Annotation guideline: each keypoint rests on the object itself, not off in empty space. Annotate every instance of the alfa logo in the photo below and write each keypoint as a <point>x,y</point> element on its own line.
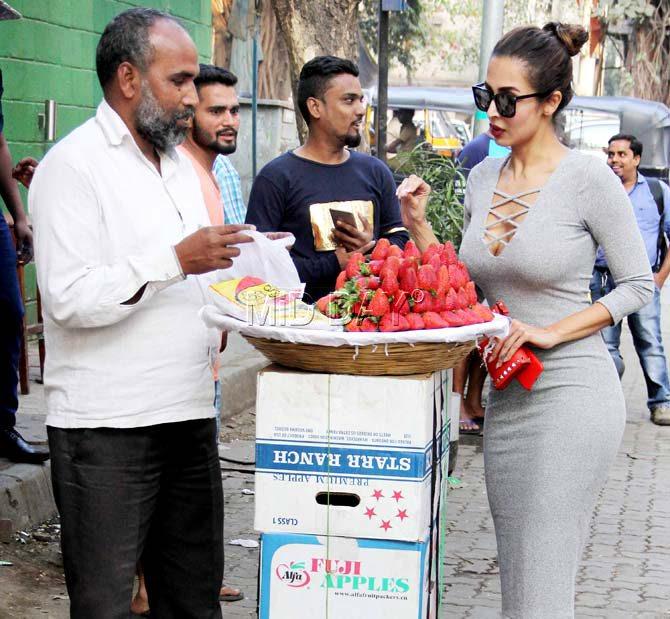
<point>294,574</point>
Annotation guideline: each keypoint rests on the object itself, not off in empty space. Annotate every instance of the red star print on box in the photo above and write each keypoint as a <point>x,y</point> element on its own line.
<point>397,495</point>
<point>386,525</point>
<point>370,512</point>
<point>402,514</point>
<point>377,494</point>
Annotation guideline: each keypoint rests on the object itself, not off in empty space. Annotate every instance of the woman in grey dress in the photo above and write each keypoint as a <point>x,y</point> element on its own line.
<point>533,222</point>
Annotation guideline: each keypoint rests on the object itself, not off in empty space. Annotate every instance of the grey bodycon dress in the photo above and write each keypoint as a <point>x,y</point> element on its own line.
<point>547,452</point>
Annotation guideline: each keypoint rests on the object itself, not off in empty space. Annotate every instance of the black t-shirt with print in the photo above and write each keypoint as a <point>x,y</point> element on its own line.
<point>285,189</point>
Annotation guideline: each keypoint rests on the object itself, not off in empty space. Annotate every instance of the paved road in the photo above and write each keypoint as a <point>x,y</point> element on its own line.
<point>626,567</point>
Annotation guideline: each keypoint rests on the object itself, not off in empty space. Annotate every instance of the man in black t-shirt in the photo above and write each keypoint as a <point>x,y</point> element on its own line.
<point>308,191</point>
<point>12,444</point>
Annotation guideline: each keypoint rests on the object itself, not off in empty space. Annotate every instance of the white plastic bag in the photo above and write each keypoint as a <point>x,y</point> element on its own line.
<point>266,259</point>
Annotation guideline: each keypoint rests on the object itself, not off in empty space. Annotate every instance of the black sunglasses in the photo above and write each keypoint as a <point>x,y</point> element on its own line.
<point>505,101</point>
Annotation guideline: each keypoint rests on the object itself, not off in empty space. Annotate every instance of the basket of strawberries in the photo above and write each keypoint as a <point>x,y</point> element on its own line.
<point>401,312</point>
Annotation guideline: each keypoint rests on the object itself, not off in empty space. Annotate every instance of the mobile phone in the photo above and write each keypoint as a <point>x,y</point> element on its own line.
<point>343,216</point>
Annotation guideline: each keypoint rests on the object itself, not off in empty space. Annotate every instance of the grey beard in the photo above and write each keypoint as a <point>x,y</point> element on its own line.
<point>157,127</point>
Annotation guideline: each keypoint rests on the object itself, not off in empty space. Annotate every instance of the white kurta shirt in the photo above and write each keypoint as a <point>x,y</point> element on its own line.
<point>105,224</point>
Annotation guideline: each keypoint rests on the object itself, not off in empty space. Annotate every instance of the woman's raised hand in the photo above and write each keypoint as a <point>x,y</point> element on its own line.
<point>413,195</point>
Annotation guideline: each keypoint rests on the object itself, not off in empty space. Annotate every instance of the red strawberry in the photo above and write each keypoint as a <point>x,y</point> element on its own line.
<point>422,302</point>
<point>432,320</point>
<point>362,282</point>
<point>390,284</point>
<point>393,262</point>
<point>322,303</point>
<point>395,251</point>
<point>463,314</point>
<point>409,281</point>
<point>373,282</point>
<point>435,262</point>
<point>379,305</point>
<point>431,251</point>
<point>381,249</point>
<point>403,323</point>
<point>471,293</point>
<point>450,253</point>
<point>368,325</point>
<point>466,273</point>
<point>415,321</point>
<point>408,264</point>
<point>354,265</point>
<point>442,279</point>
<point>439,303</point>
<point>484,312</point>
<point>455,276</point>
<point>474,317</point>
<point>451,301</point>
<point>341,280</point>
<point>453,319</point>
<point>375,266</point>
<point>390,323</point>
<point>462,299</point>
<point>400,303</point>
<point>411,250</point>
<point>352,326</point>
<point>427,278</point>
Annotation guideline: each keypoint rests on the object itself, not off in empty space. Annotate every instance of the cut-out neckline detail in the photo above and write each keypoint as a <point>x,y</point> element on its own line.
<point>502,241</point>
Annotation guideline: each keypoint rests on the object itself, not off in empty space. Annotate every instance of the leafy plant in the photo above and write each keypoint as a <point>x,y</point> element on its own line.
<point>621,10</point>
<point>408,30</point>
<point>445,205</point>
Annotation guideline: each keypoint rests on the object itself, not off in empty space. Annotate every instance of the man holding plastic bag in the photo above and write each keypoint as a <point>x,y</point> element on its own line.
<point>121,237</point>
<point>334,200</point>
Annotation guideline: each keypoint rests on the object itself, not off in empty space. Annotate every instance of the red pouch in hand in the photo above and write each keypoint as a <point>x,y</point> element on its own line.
<point>524,365</point>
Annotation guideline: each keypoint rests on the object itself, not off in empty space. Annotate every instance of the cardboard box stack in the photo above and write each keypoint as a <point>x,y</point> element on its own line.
<point>350,479</point>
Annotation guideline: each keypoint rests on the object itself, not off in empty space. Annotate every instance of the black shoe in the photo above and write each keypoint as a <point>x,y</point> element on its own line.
<point>15,448</point>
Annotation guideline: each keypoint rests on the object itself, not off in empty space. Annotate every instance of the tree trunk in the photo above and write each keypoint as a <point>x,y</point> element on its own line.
<point>314,28</point>
<point>648,57</point>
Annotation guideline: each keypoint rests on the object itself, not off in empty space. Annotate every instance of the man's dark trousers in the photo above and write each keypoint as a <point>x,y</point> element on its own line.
<point>11,325</point>
<point>151,493</point>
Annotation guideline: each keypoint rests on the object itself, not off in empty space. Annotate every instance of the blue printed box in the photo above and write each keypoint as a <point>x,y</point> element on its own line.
<point>350,456</point>
<point>305,576</point>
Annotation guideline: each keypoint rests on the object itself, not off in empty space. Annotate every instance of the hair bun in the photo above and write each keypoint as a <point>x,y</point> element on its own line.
<point>571,35</point>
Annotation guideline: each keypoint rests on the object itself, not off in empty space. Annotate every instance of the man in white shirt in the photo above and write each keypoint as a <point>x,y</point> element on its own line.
<point>121,235</point>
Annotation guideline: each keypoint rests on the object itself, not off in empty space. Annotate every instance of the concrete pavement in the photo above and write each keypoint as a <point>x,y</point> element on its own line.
<point>626,567</point>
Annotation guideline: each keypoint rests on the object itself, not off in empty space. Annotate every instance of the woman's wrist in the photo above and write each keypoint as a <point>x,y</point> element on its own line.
<point>557,334</point>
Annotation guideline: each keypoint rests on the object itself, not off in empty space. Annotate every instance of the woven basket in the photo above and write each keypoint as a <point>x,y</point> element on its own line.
<point>379,360</point>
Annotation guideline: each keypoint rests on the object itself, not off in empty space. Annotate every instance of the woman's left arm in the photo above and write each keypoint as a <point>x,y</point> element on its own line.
<point>608,215</point>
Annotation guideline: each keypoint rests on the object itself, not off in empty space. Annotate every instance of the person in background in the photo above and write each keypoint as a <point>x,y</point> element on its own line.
<point>408,137</point>
<point>649,198</point>
<point>123,247</point>
<point>12,445</point>
<point>291,191</point>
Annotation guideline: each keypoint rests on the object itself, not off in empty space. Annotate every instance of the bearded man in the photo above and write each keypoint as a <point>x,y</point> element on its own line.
<point>213,136</point>
<point>309,191</point>
<point>123,244</point>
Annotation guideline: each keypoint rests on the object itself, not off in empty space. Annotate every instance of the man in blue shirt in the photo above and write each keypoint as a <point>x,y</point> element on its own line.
<point>12,444</point>
<point>623,156</point>
<point>300,191</point>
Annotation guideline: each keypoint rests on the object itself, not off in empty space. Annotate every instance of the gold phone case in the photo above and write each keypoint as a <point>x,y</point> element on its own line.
<point>322,222</point>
